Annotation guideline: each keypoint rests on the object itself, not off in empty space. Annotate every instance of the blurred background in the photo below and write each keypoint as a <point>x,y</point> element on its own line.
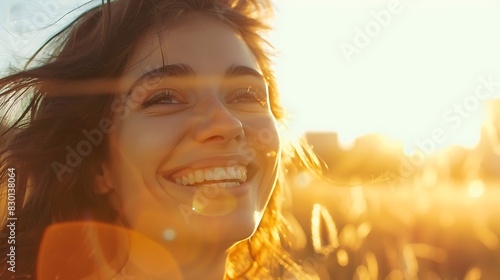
<point>393,97</point>
<point>400,100</point>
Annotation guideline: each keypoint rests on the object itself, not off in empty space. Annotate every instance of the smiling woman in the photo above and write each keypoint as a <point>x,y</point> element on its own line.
<point>150,146</point>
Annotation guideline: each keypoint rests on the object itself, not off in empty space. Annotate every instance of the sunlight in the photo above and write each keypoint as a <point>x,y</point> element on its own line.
<point>476,188</point>
<point>401,81</point>
<point>355,67</point>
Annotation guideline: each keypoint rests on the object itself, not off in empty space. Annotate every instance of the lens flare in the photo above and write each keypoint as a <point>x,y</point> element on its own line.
<point>91,250</point>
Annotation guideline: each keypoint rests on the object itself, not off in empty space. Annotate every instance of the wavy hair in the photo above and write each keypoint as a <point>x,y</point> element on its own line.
<point>46,116</point>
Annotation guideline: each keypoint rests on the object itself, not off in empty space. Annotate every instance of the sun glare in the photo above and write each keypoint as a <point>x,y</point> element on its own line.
<point>362,67</point>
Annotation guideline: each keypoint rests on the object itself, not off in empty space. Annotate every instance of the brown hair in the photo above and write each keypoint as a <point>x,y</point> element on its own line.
<point>50,115</point>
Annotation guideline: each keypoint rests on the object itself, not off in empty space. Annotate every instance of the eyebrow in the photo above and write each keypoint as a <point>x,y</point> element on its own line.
<point>184,70</point>
<point>240,70</point>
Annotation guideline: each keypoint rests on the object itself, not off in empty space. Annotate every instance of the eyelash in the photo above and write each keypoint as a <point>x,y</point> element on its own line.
<point>244,95</point>
<point>159,96</point>
<point>249,92</point>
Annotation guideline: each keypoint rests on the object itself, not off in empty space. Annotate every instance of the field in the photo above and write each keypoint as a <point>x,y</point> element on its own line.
<point>442,221</point>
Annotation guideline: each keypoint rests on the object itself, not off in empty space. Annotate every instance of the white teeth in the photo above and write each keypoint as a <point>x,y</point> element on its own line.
<point>231,184</point>
<point>233,173</point>
<point>198,174</point>
<point>209,175</point>
<point>191,178</point>
<point>222,185</point>
<point>220,173</point>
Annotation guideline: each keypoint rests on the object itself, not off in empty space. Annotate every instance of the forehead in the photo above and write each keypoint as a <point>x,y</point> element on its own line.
<point>206,44</point>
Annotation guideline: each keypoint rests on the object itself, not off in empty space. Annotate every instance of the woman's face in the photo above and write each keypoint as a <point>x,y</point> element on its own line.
<point>195,149</point>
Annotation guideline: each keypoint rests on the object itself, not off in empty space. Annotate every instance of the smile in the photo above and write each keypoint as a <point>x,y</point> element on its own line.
<point>225,177</point>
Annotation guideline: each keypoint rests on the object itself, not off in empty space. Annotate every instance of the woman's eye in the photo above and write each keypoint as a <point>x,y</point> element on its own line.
<point>165,96</point>
<point>248,95</point>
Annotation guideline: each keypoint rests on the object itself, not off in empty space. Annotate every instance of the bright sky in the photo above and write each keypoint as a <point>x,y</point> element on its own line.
<point>403,68</point>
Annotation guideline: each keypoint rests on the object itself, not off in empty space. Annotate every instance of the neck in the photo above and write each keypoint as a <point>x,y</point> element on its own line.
<point>187,261</point>
<point>209,266</point>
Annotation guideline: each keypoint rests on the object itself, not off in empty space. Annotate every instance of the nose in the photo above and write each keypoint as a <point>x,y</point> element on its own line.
<point>217,124</point>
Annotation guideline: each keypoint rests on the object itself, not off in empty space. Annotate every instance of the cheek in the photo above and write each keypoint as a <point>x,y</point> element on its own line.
<point>148,142</point>
<point>264,136</point>
<point>137,149</point>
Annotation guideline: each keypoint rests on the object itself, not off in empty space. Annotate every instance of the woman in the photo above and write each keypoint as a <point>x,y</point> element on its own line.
<point>150,124</point>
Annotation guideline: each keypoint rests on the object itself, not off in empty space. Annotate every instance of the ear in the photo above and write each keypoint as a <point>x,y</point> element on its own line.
<point>102,180</point>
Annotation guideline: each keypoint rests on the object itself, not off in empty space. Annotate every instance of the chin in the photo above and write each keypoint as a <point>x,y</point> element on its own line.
<point>229,228</point>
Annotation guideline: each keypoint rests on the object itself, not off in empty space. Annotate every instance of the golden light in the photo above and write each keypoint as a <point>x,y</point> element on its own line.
<point>401,80</point>
<point>476,188</point>
<point>342,257</point>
